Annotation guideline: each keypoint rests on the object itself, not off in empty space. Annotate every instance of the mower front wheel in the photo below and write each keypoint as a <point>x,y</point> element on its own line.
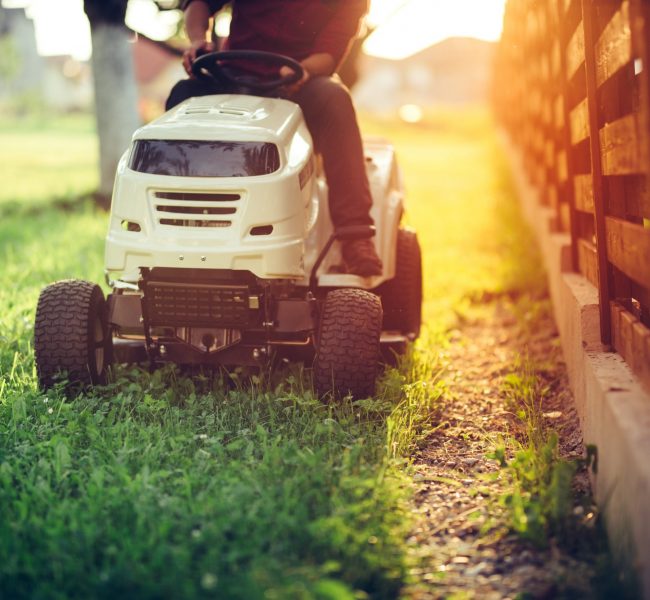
<point>347,357</point>
<point>72,340</point>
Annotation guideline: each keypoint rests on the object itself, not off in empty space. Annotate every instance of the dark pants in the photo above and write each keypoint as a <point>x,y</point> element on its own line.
<point>331,119</point>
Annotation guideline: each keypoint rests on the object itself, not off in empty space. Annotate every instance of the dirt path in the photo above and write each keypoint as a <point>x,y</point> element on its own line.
<point>464,548</point>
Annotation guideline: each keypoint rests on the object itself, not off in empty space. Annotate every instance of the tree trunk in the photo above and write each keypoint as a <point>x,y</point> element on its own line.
<point>116,98</point>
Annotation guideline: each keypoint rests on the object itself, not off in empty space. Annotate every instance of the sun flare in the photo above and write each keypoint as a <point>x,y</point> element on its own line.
<point>403,27</point>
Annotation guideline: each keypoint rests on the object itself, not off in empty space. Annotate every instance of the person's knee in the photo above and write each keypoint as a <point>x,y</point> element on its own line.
<point>335,95</point>
<point>184,89</point>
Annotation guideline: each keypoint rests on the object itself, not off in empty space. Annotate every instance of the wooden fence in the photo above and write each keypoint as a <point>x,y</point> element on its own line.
<point>572,88</point>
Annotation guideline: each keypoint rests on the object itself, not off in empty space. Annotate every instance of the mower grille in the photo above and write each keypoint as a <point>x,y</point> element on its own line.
<point>195,209</point>
<point>181,304</point>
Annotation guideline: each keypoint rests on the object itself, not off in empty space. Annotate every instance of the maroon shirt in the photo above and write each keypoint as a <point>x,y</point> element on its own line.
<point>295,28</point>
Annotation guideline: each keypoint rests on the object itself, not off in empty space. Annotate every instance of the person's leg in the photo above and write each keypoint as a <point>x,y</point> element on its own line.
<point>332,121</point>
<point>187,88</point>
<point>331,118</point>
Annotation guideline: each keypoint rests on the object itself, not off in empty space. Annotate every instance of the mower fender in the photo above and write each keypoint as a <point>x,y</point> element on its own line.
<point>125,313</point>
<point>295,315</point>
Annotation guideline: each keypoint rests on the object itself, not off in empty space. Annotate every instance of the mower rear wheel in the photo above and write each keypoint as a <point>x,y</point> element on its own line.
<point>72,341</point>
<point>347,357</point>
<point>401,296</point>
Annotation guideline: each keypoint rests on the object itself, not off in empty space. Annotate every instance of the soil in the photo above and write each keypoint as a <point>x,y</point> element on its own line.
<point>462,544</point>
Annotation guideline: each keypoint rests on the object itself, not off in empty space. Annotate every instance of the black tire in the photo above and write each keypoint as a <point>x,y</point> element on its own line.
<point>401,296</point>
<point>347,357</point>
<point>72,341</point>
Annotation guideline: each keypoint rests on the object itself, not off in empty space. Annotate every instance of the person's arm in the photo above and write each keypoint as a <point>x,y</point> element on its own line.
<point>335,37</point>
<point>198,25</point>
<point>320,63</point>
<point>313,66</point>
<point>332,42</point>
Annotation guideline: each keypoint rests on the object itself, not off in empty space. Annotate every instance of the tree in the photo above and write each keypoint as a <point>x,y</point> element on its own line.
<point>116,97</point>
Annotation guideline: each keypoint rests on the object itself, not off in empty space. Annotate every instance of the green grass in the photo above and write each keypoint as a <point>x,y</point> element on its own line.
<point>186,487</point>
<point>44,159</point>
<point>461,199</point>
<point>541,504</point>
<point>162,485</point>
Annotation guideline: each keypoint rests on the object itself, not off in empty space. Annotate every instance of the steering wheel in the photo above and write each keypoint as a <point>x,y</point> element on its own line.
<point>211,66</point>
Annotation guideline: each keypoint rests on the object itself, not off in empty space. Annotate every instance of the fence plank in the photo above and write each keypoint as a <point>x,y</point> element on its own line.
<point>565,158</point>
<point>632,341</point>
<point>620,148</point>
<point>549,153</point>
<point>575,52</point>
<point>562,168</point>
<point>589,16</point>
<point>628,248</point>
<point>614,47</point>
<point>584,193</point>
<point>579,118</point>
<point>588,261</point>
<point>558,111</point>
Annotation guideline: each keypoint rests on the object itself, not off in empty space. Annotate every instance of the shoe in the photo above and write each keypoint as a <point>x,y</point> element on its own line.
<point>361,258</point>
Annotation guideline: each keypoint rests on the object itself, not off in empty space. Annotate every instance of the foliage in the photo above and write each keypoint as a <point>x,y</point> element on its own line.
<point>9,59</point>
<point>541,502</point>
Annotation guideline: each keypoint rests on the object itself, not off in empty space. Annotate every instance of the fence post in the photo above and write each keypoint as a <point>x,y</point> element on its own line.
<point>604,276</point>
<point>564,34</point>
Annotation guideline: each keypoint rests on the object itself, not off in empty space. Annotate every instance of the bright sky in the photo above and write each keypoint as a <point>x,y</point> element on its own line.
<point>403,26</point>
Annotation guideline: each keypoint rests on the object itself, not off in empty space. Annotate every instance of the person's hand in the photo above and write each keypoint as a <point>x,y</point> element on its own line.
<point>196,49</point>
<point>294,87</point>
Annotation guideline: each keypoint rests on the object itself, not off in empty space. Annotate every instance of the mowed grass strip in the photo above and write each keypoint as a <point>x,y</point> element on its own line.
<point>161,485</point>
<point>166,486</point>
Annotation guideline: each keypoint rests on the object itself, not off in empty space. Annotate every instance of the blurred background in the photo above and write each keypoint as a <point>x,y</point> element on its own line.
<point>413,52</point>
<point>105,67</point>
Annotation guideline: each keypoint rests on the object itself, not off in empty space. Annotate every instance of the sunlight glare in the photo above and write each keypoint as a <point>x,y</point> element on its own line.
<point>404,27</point>
<point>410,113</point>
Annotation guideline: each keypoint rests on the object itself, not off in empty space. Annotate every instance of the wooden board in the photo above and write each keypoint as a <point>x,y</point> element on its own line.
<point>588,261</point>
<point>584,193</point>
<point>562,168</point>
<point>558,111</point>
<point>614,47</point>
<point>549,153</point>
<point>556,60</point>
<point>544,69</point>
<point>575,52</point>
<point>579,122</point>
<point>628,248</point>
<point>547,112</point>
<point>564,217</point>
<point>631,339</point>
<point>619,147</point>
<point>566,5</point>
